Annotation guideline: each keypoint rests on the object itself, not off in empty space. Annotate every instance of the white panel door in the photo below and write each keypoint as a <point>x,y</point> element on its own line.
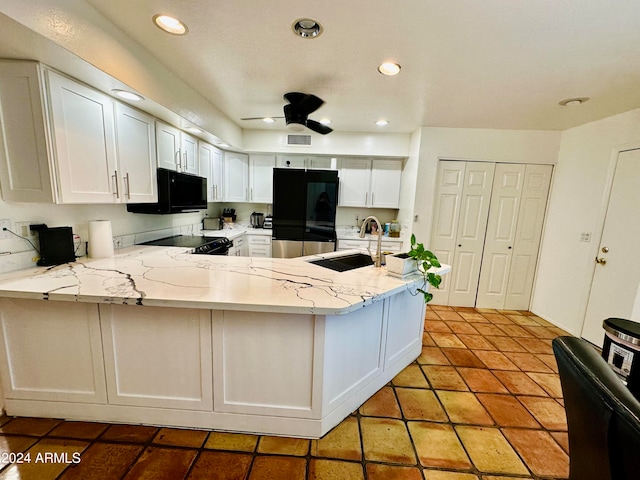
<point>615,289</point>
<point>205,155</point>
<point>533,205</point>
<point>449,186</point>
<point>84,142</point>
<point>500,236</point>
<point>472,225</point>
<point>136,148</point>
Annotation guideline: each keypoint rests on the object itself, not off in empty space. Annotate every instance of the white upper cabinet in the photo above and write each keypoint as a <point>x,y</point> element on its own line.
<point>25,172</point>
<point>211,168</point>
<point>83,141</point>
<point>370,183</point>
<point>176,149</point>
<point>248,179</point>
<point>69,153</point>
<point>386,177</point>
<point>236,177</point>
<point>136,152</point>
<point>261,178</point>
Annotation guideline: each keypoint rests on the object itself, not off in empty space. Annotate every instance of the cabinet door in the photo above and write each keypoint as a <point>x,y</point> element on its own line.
<point>189,154</point>
<point>211,169</point>
<point>322,163</point>
<point>157,356</point>
<point>236,177</point>
<point>537,179</point>
<point>168,143</point>
<point>25,170</point>
<point>501,233</point>
<point>136,148</point>
<point>84,142</point>
<point>51,351</point>
<point>385,183</point>
<point>355,179</point>
<point>261,178</point>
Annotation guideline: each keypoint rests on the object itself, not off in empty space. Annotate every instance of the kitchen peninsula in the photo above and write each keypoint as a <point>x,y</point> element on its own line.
<point>156,335</point>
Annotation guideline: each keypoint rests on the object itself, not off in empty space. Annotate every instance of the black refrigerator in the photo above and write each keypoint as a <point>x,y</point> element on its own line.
<point>304,212</point>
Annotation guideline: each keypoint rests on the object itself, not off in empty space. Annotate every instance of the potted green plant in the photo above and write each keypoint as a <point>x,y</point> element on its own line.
<point>418,259</point>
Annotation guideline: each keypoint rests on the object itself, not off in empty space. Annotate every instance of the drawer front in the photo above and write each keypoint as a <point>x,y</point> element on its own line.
<point>259,240</point>
<point>347,244</point>
<point>394,247</point>
<point>260,251</point>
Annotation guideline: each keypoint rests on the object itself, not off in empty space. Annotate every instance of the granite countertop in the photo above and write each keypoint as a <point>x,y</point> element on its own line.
<point>172,277</point>
<point>234,230</point>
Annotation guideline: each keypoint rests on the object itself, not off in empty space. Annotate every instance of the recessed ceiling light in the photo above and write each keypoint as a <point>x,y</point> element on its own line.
<point>170,24</point>
<point>194,130</point>
<point>382,123</point>
<point>268,120</point>
<point>128,95</point>
<point>570,102</point>
<point>306,28</point>
<point>389,68</point>
<point>325,121</point>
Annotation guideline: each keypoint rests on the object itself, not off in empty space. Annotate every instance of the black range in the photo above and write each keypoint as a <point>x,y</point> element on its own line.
<point>201,245</point>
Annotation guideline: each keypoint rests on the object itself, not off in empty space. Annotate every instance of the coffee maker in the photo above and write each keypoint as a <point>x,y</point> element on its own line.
<point>56,245</point>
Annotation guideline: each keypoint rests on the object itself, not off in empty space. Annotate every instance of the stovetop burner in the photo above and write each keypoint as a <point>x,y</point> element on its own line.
<point>200,244</point>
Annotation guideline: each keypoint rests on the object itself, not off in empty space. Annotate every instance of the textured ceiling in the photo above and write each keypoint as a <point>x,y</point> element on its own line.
<point>465,63</point>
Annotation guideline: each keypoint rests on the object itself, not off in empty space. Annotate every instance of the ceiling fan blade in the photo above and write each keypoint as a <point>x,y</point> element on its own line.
<point>318,127</point>
<point>303,103</point>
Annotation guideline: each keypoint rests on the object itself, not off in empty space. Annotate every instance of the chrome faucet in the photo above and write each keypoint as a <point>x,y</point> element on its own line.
<point>365,222</point>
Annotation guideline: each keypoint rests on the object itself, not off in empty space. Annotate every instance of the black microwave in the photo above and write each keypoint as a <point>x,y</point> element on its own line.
<point>177,192</point>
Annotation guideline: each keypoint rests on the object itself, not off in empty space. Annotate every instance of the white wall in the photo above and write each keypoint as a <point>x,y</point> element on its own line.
<point>515,146</point>
<point>337,143</point>
<point>578,202</point>
<point>77,217</point>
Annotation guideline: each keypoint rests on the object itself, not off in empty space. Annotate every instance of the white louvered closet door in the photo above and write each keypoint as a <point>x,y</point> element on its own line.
<point>462,206</point>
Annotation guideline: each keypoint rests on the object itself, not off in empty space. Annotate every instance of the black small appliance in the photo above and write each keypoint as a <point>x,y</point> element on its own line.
<point>56,245</point>
<point>177,192</point>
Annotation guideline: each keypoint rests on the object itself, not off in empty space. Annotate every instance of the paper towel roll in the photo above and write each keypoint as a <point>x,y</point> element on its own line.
<point>100,239</point>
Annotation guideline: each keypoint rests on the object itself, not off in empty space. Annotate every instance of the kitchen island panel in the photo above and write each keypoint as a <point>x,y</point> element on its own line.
<point>404,327</point>
<point>157,357</point>
<point>353,353</point>
<point>267,363</point>
<point>51,354</point>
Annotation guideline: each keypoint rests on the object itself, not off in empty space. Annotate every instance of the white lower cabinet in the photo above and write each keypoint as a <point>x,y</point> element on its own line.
<point>68,366</point>
<point>386,245</point>
<point>157,357</point>
<point>259,245</point>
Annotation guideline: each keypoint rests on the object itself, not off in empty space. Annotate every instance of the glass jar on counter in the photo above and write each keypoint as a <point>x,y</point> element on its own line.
<point>394,228</point>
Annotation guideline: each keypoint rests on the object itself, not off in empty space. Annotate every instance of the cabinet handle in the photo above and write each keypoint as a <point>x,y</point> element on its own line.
<point>366,198</point>
<point>128,183</point>
<point>115,182</point>
<point>178,162</point>
<point>251,194</point>
<point>246,194</point>
<point>373,202</point>
<point>185,161</point>
<point>215,192</point>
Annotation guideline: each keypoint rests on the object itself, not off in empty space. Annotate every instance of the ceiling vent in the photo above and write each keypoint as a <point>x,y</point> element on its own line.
<point>299,140</point>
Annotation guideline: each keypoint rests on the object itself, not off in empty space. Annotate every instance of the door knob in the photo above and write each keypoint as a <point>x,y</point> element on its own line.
<point>601,261</point>
<point>605,249</point>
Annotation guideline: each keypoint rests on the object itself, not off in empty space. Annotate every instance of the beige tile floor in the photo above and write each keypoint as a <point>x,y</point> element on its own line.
<point>483,401</point>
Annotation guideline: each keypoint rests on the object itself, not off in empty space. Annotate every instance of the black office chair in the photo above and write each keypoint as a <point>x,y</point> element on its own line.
<point>603,417</point>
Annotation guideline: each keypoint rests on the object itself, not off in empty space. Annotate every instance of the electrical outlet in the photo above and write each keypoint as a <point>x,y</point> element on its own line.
<point>5,224</point>
<point>118,242</point>
<point>22,229</point>
<point>585,237</point>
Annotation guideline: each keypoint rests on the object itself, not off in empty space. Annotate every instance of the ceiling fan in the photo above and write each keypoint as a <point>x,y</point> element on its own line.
<point>297,111</point>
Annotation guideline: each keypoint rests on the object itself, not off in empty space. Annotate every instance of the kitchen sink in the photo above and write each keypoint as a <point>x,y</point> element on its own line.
<point>345,262</point>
